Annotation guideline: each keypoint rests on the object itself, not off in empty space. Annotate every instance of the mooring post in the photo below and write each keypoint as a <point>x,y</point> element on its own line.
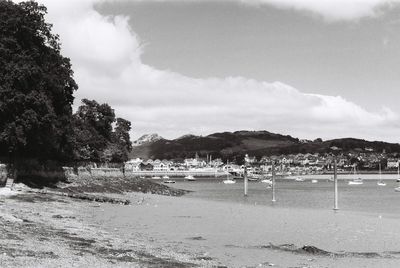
<point>273,182</point>
<point>245,179</point>
<point>335,182</point>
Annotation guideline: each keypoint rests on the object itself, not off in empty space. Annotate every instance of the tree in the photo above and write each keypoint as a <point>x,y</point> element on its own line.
<point>94,137</point>
<point>93,130</point>
<point>122,140</point>
<point>36,87</point>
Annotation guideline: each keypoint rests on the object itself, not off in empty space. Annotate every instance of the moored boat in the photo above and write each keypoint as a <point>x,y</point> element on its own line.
<point>357,181</point>
<point>380,182</point>
<point>156,178</point>
<point>169,181</point>
<point>314,181</point>
<point>165,177</point>
<point>298,179</point>
<point>190,178</point>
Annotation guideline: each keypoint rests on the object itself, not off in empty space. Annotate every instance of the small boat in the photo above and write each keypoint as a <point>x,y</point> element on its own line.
<point>380,182</point>
<point>165,177</point>
<point>229,180</point>
<point>298,179</point>
<point>358,181</point>
<point>314,181</point>
<point>397,189</point>
<point>156,178</point>
<point>169,181</point>
<point>190,178</point>
<point>250,178</point>
<point>268,181</point>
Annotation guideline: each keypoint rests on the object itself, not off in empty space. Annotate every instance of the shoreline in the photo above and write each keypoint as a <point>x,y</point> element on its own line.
<point>169,231</point>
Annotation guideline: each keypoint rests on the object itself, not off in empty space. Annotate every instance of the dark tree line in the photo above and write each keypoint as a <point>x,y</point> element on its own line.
<point>38,129</point>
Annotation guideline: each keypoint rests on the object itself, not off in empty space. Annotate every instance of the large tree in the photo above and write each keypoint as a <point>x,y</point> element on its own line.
<point>36,86</point>
<point>95,139</point>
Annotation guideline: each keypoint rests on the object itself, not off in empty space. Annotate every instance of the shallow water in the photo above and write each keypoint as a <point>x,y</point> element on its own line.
<point>366,198</point>
<point>216,221</point>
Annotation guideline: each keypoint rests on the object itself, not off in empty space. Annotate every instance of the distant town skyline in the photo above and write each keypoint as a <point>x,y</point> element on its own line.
<point>308,69</point>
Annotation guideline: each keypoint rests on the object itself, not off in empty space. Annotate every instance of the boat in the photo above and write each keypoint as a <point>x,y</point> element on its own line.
<point>251,177</point>
<point>229,180</point>
<point>169,181</point>
<point>190,178</point>
<point>298,179</point>
<point>156,178</point>
<point>380,182</point>
<point>268,181</point>
<point>165,177</point>
<point>397,189</point>
<point>314,181</point>
<point>356,181</point>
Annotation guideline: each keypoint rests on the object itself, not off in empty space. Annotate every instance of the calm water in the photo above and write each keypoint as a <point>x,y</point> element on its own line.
<point>368,197</point>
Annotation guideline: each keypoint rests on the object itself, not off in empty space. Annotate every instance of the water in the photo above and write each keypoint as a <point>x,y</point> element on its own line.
<point>365,198</point>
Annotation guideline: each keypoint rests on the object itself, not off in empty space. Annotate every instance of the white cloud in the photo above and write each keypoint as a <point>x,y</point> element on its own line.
<point>331,10</point>
<point>105,54</point>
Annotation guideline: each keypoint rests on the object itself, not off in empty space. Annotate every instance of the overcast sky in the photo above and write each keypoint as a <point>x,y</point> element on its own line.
<point>307,68</point>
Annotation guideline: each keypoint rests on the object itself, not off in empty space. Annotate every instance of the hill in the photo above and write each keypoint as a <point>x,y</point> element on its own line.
<point>234,145</point>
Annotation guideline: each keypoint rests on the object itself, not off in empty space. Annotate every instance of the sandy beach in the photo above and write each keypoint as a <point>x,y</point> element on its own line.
<point>162,231</point>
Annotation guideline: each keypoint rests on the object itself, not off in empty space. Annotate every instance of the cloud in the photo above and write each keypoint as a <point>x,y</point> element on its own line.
<point>330,10</point>
<point>105,54</point>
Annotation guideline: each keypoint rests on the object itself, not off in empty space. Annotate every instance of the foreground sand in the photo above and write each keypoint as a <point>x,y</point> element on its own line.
<point>161,231</point>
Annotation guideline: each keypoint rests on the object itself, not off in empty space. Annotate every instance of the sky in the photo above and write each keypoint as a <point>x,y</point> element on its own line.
<point>306,68</point>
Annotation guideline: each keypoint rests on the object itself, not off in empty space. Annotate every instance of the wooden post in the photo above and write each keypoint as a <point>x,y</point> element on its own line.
<point>335,182</point>
<point>245,179</point>
<point>273,182</point>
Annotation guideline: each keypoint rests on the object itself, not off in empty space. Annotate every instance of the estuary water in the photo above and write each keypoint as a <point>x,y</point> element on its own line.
<point>366,198</point>
<point>216,222</point>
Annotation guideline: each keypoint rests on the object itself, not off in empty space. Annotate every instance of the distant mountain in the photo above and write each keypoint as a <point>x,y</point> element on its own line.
<point>234,145</point>
<point>147,138</point>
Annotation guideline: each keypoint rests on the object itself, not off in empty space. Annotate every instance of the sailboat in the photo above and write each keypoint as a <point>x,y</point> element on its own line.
<point>380,182</point>
<point>228,180</point>
<point>356,181</point>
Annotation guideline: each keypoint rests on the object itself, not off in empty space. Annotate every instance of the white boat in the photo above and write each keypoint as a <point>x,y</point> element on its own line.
<point>397,189</point>
<point>380,182</point>
<point>156,178</point>
<point>169,181</point>
<point>229,181</point>
<point>314,181</point>
<point>190,178</point>
<point>165,177</point>
<point>268,181</point>
<point>356,181</point>
<point>298,179</point>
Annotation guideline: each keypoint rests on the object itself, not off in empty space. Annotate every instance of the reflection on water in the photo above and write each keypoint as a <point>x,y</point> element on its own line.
<point>368,197</point>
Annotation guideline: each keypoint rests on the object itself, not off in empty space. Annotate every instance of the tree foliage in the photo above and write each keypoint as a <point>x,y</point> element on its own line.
<point>95,138</point>
<point>36,86</point>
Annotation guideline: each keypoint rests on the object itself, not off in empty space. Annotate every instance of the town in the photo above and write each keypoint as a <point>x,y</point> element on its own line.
<point>292,164</point>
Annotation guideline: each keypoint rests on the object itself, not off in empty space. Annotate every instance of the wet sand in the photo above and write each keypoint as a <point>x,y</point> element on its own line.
<point>161,231</point>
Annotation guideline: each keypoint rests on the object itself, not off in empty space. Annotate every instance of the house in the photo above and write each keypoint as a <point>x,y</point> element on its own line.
<point>392,163</point>
<point>133,164</point>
